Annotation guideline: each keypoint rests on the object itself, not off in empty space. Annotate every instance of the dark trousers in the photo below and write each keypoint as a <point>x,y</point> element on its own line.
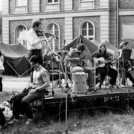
<point>36,52</point>
<point>107,71</point>
<point>2,118</point>
<point>21,104</point>
<point>90,79</point>
<point>1,85</point>
<point>127,74</point>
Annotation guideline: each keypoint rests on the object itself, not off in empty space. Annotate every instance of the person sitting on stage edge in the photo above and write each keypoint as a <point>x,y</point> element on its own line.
<point>86,64</point>
<point>37,89</point>
<point>126,66</point>
<point>103,67</point>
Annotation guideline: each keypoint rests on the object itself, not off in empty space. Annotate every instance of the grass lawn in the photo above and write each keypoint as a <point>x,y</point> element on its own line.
<point>100,123</point>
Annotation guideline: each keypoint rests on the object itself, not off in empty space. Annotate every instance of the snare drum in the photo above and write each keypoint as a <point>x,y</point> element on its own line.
<point>79,82</point>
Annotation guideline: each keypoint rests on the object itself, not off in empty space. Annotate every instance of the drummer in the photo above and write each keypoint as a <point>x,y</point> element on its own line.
<point>86,65</point>
<point>78,61</point>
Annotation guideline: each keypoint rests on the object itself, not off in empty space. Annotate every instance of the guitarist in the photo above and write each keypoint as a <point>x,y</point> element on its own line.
<point>105,70</point>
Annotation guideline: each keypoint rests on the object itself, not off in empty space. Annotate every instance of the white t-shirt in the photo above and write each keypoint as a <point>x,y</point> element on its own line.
<point>1,63</point>
<point>41,76</point>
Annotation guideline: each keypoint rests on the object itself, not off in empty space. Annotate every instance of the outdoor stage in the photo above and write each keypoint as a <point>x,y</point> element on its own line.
<point>118,99</point>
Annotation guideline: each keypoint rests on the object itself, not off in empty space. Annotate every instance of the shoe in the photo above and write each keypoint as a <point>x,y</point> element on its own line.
<point>14,121</point>
<point>29,121</point>
<point>98,86</point>
<point>122,85</point>
<point>21,116</point>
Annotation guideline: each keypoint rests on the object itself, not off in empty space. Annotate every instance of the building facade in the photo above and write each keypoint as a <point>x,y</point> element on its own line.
<point>111,20</point>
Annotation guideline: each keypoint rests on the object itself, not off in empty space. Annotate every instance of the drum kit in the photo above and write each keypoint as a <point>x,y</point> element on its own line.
<point>58,71</point>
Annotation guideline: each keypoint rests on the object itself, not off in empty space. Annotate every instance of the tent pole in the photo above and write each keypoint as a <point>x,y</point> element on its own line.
<point>25,72</point>
<point>12,68</point>
<point>117,37</point>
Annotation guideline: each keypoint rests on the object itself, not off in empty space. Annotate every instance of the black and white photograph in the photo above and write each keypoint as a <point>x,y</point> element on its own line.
<point>66,66</point>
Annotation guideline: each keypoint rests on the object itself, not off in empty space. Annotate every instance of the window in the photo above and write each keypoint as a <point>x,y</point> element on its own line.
<point>20,6</point>
<point>21,3</point>
<point>18,31</point>
<point>86,0</point>
<point>54,29</point>
<point>88,30</point>
<point>86,4</point>
<point>52,1</point>
<point>52,5</point>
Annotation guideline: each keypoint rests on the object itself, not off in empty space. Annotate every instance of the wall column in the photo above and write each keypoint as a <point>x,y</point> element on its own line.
<point>68,29</point>
<point>5,7</point>
<point>35,6</point>
<point>68,4</point>
<point>5,31</point>
<point>104,27</point>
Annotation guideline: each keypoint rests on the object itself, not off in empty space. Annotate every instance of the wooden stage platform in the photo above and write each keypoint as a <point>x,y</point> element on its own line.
<point>100,93</point>
<point>119,98</point>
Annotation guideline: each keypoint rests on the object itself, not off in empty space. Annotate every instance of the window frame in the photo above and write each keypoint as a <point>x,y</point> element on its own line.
<point>21,5</point>
<point>16,32</point>
<point>87,30</point>
<point>49,3</point>
<point>53,32</point>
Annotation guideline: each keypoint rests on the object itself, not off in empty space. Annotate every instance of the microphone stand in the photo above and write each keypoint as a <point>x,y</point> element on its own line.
<point>47,42</point>
<point>66,91</point>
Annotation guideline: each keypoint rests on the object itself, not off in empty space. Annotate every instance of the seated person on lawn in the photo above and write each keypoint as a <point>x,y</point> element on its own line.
<point>38,88</point>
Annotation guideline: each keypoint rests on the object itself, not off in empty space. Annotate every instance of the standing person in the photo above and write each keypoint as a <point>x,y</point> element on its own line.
<point>1,70</point>
<point>103,66</point>
<point>37,89</point>
<point>126,66</point>
<point>34,43</point>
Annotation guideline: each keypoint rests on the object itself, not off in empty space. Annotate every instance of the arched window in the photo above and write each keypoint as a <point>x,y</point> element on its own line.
<point>88,30</point>
<point>54,29</point>
<point>18,30</point>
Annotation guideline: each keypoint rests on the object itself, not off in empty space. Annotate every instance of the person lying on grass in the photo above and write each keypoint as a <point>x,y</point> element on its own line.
<point>37,89</point>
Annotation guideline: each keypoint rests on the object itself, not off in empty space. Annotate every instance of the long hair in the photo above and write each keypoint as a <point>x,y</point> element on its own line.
<point>104,47</point>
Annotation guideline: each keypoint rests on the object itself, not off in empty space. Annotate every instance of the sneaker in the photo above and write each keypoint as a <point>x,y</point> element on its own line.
<point>98,86</point>
<point>121,85</point>
<point>14,121</point>
<point>29,121</point>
